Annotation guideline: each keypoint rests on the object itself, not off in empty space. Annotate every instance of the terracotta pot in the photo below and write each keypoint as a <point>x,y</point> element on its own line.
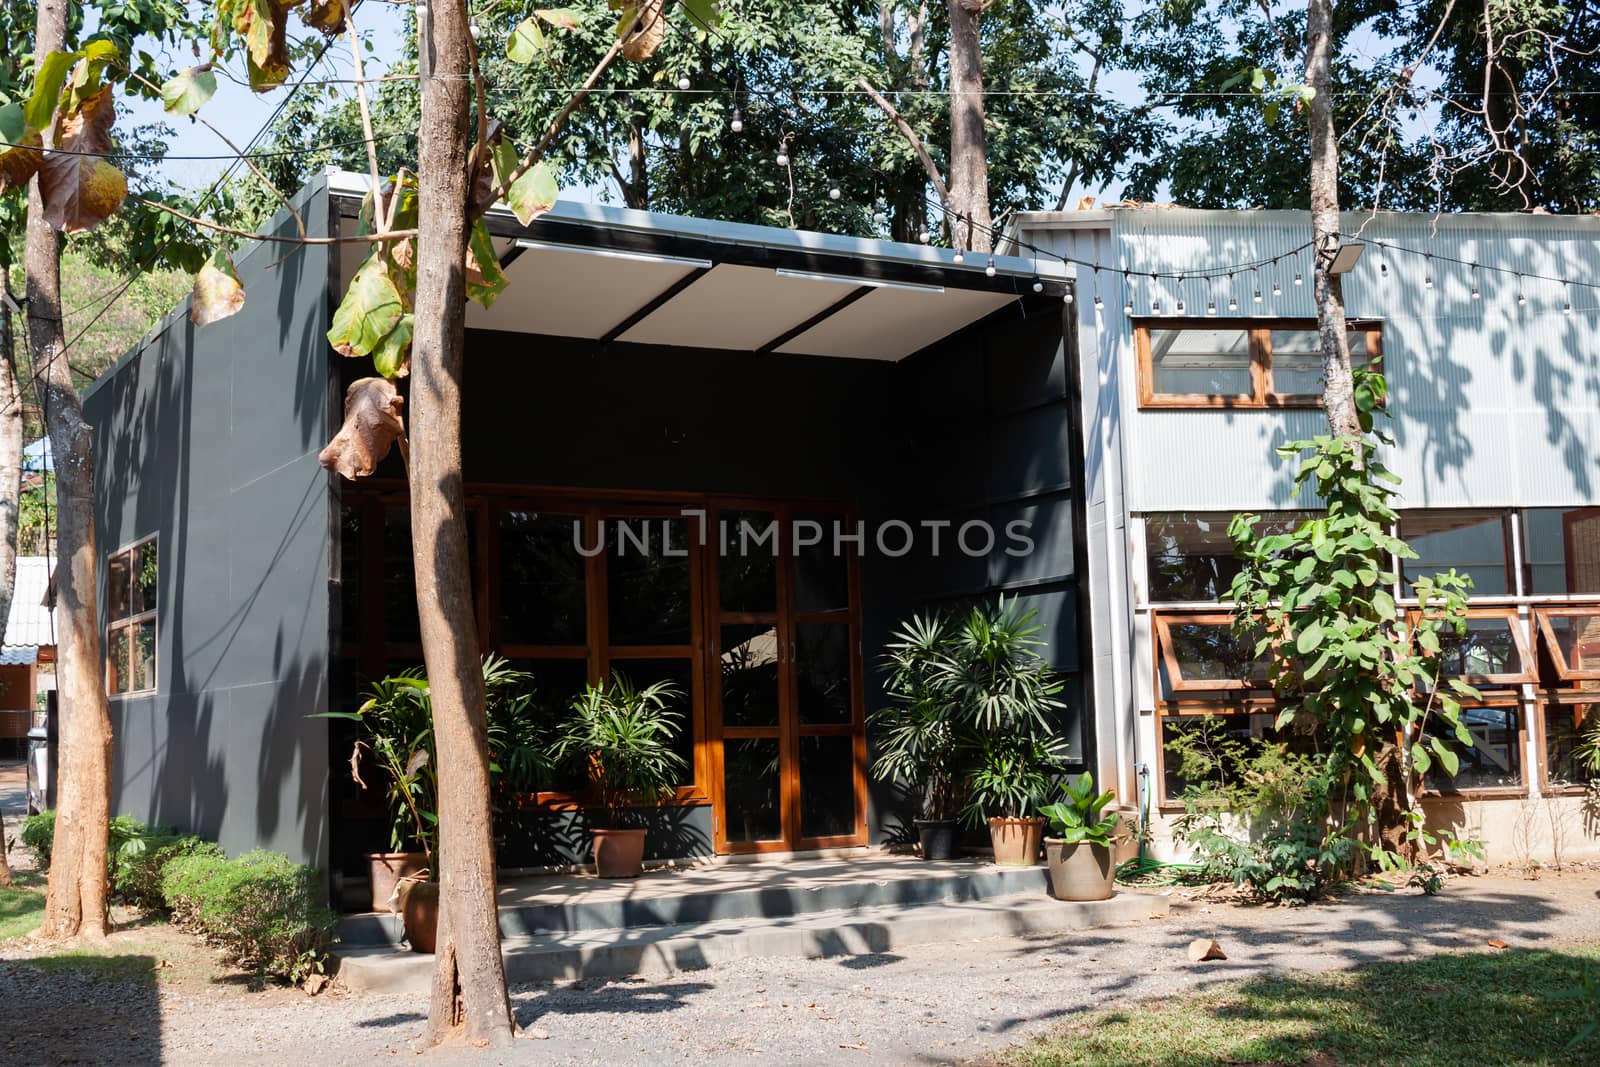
<point>939,838</point>
<point>1016,841</point>
<point>1079,871</point>
<point>387,868</point>
<point>419,907</point>
<point>618,853</point>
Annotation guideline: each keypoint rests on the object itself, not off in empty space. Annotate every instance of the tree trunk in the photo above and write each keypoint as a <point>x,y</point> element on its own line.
<point>10,497</point>
<point>469,985</point>
<point>1338,395</point>
<point>76,902</point>
<point>969,150</point>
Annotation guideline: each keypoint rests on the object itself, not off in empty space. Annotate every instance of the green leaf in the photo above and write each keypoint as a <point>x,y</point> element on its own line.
<point>534,193</point>
<point>185,92</point>
<point>1420,759</point>
<point>562,18</point>
<point>13,123</point>
<point>485,279</point>
<point>526,42</point>
<point>369,311</point>
<point>1308,639</point>
<point>41,106</point>
<point>702,13</point>
<point>392,357</point>
<point>1452,763</point>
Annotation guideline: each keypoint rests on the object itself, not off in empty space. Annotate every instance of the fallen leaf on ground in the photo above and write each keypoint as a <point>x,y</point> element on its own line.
<point>1203,949</point>
<point>1495,942</point>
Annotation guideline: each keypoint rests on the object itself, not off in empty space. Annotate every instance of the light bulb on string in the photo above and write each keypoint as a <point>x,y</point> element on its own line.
<point>989,268</point>
<point>923,236</point>
<point>472,28</point>
<point>1566,298</point>
<point>1127,290</point>
<point>1522,299</point>
<point>1211,307</point>
<point>1383,270</point>
<point>1475,294</point>
<point>834,192</point>
<point>736,124</point>
<point>1067,297</point>
<point>960,257</point>
<point>1179,306</point>
<point>1155,306</point>
<point>1298,280</point>
<point>684,82</point>
<point>1038,284</point>
<point>879,214</point>
<point>1233,301</point>
<point>783,156</point>
<point>1258,296</point>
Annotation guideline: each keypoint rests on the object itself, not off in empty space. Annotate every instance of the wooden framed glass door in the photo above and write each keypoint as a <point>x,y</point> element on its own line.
<point>787,736</point>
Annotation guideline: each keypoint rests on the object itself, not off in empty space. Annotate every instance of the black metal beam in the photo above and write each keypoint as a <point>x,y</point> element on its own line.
<point>828,312</point>
<point>653,303</point>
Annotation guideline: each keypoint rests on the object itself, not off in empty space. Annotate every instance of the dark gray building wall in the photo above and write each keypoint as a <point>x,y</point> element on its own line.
<point>207,437</point>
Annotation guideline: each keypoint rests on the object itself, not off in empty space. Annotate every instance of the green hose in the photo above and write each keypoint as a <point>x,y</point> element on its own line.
<point>1143,870</point>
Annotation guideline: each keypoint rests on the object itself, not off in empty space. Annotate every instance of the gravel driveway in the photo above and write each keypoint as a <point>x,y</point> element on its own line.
<point>935,1004</point>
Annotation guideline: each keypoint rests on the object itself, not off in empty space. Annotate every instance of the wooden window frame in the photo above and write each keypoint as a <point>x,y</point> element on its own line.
<point>1259,334</point>
<point>1530,666</point>
<point>1514,702</point>
<point>124,627</point>
<point>1542,617</point>
<point>1544,703</point>
<point>1508,566</point>
<point>1161,624</point>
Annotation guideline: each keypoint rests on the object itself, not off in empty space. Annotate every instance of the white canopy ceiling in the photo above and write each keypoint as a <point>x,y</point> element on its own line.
<point>614,275</point>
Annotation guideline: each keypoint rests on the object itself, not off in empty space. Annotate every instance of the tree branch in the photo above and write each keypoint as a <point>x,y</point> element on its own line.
<point>378,219</point>
<point>361,239</point>
<point>911,138</point>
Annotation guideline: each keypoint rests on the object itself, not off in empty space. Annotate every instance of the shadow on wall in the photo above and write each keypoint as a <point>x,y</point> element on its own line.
<point>207,437</point>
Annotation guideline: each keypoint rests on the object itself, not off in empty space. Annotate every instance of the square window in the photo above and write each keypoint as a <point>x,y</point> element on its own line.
<point>1471,542</point>
<point>1201,362</point>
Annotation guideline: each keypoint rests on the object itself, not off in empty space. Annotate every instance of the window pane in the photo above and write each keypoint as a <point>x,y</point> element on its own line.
<point>1212,652</point>
<point>1577,641</point>
<point>1201,362</point>
<point>750,777</point>
<point>1488,647</point>
<point>822,569</point>
<point>556,683</point>
<point>822,669</point>
<point>747,567</point>
<point>144,655</point>
<point>1190,555</point>
<point>119,668</point>
<point>399,580</point>
<point>1473,542</point>
<point>1297,360</point>
<point>827,787</point>
<point>680,672</point>
<point>647,581</point>
<point>1561,736</point>
<point>1204,750</point>
<point>541,579</point>
<point>1494,758</point>
<point>144,577</point>
<point>117,587</point>
<point>749,675</point>
<point>1561,550</point>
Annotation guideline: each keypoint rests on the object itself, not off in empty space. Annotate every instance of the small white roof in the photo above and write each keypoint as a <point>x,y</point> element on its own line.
<point>29,624</point>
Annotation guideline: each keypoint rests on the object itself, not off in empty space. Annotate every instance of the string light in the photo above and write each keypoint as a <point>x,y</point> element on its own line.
<point>989,269</point>
<point>736,124</point>
<point>1475,294</point>
<point>1066,297</point>
<point>1297,279</point>
<point>1258,296</point>
<point>1521,299</point>
<point>1233,301</point>
<point>1566,298</point>
<point>1155,306</point>
<point>783,156</point>
<point>1127,290</point>
<point>834,192</point>
<point>922,235</point>
<point>1180,305</point>
<point>961,257</point>
<point>683,82</point>
<point>879,215</point>
<point>1211,307</point>
<point>1277,290</point>
<point>1038,284</point>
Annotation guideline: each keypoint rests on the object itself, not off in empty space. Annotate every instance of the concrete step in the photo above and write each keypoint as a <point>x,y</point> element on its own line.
<point>648,950</point>
<point>681,899</point>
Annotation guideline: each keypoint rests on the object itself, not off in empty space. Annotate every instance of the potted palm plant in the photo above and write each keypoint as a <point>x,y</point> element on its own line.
<point>1007,694</point>
<point>919,733</point>
<point>1079,850</point>
<point>625,736</point>
<point>395,730</point>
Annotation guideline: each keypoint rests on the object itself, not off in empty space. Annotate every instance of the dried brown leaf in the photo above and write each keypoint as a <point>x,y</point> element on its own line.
<point>218,292</point>
<point>327,16</point>
<point>651,19</point>
<point>19,164</point>
<point>80,189</point>
<point>372,424</point>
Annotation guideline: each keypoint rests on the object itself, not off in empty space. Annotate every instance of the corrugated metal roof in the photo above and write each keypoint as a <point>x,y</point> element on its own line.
<point>18,655</point>
<point>28,625</point>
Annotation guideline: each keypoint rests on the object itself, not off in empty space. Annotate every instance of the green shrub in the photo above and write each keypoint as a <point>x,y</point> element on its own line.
<point>262,910</point>
<point>39,834</point>
<point>136,874</point>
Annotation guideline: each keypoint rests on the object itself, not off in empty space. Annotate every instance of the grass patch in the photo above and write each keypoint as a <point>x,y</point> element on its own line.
<point>21,910</point>
<point>99,967</point>
<point>1453,1010</point>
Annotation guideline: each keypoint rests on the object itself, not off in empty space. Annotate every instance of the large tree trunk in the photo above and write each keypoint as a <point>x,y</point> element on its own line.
<point>469,985</point>
<point>10,498</point>
<point>76,902</point>
<point>1338,394</point>
<point>969,150</point>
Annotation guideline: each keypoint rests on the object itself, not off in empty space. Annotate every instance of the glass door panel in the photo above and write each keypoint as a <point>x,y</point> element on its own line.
<point>752,789</point>
<point>822,673</point>
<point>827,786</point>
<point>747,564</point>
<point>749,674</point>
<point>648,581</point>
